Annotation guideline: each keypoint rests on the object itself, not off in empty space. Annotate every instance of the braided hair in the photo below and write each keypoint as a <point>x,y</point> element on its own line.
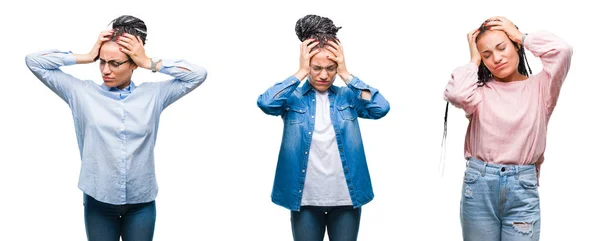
<point>127,24</point>
<point>484,75</point>
<point>319,28</point>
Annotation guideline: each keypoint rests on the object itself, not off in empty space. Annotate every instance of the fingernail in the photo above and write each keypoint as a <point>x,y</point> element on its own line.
<point>328,56</point>
<point>120,49</point>
<point>488,28</point>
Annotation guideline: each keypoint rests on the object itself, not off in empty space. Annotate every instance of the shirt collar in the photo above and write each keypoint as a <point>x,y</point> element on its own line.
<point>306,87</point>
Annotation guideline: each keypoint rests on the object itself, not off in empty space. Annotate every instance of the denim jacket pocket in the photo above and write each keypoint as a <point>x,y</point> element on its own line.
<point>294,114</point>
<point>348,111</point>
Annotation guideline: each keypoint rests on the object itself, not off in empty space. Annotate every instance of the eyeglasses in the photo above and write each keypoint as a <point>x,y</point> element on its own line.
<point>112,64</point>
<point>330,69</point>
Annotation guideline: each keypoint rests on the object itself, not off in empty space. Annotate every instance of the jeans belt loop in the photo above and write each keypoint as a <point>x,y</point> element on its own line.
<point>483,169</point>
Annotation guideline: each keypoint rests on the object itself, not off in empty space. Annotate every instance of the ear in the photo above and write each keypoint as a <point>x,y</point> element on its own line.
<point>133,66</point>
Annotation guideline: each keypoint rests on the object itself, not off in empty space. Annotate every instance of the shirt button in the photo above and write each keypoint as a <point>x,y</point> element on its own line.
<point>305,153</point>
<point>303,170</point>
<point>342,149</point>
<point>309,132</point>
<point>313,116</point>
<point>313,100</point>
<point>299,190</point>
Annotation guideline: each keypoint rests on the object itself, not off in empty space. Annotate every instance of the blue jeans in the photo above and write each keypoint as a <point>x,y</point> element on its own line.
<point>499,202</point>
<point>341,222</point>
<point>107,222</point>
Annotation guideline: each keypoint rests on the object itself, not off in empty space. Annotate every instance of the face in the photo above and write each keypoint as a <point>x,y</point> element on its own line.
<point>322,70</point>
<point>499,54</point>
<point>116,70</point>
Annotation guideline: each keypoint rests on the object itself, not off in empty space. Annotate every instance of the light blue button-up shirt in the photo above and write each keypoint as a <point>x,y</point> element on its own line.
<point>116,131</point>
<point>296,106</point>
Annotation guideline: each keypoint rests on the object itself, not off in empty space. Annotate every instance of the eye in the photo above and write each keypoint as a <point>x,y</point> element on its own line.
<point>102,62</point>
<point>113,63</point>
<point>331,68</point>
<point>485,56</point>
<point>315,68</point>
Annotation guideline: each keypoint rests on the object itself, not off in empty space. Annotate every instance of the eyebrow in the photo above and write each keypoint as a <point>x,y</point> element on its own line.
<point>116,60</point>
<point>328,66</point>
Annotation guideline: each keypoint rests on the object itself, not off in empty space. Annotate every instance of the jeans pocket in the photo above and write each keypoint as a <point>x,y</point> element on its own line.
<point>471,176</point>
<point>528,181</point>
<point>348,112</point>
<point>294,114</point>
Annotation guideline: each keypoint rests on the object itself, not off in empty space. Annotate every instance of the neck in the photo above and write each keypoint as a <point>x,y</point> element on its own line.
<point>516,76</point>
<point>124,85</point>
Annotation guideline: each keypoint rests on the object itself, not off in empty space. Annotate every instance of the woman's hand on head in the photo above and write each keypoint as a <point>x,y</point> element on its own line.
<point>305,56</point>
<point>95,52</point>
<point>475,55</point>
<point>501,23</point>
<point>338,57</point>
<point>134,47</point>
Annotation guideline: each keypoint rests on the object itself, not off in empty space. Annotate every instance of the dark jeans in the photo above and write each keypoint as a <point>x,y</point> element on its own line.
<point>107,222</point>
<point>310,222</point>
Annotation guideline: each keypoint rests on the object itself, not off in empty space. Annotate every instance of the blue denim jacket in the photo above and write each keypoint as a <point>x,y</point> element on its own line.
<point>296,106</point>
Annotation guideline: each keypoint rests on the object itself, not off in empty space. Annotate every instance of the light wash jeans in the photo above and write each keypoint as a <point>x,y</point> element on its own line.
<point>499,202</point>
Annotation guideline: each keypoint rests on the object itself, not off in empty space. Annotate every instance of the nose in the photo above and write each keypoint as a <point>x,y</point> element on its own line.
<point>323,74</point>
<point>497,58</point>
<point>105,69</point>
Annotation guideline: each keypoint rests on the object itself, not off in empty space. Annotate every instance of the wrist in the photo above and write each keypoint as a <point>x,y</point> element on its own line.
<point>519,38</point>
<point>301,74</point>
<point>346,76</point>
<point>84,58</point>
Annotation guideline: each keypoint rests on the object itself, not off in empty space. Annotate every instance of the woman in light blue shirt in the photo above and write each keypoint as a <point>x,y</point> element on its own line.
<point>322,174</point>
<point>116,125</point>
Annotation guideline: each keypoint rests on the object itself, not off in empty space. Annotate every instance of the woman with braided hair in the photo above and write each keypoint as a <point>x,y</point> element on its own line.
<point>116,125</point>
<point>505,142</point>
<point>322,174</point>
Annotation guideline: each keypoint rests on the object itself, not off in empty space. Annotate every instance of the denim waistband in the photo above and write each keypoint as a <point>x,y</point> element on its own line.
<point>499,169</point>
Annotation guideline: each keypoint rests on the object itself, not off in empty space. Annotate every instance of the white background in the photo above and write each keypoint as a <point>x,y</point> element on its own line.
<point>216,152</point>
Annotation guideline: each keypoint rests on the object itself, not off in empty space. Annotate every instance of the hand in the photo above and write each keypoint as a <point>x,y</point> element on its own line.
<point>501,23</point>
<point>475,56</point>
<point>305,56</point>
<point>338,57</point>
<point>94,53</point>
<point>132,46</point>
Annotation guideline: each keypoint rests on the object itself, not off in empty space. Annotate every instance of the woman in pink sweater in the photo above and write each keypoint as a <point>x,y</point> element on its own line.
<point>508,113</point>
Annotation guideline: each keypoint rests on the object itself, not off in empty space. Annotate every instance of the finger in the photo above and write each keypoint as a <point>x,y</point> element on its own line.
<point>126,51</point>
<point>124,44</point>
<point>495,18</point>
<point>498,27</point>
<point>334,44</point>
<point>333,50</point>
<point>311,46</point>
<point>312,53</point>
<point>307,41</point>
<point>334,59</point>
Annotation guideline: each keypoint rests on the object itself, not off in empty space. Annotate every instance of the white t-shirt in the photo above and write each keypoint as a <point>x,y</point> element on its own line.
<point>325,183</point>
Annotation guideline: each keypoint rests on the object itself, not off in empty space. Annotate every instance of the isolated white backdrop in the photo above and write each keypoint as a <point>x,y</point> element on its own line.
<point>216,151</point>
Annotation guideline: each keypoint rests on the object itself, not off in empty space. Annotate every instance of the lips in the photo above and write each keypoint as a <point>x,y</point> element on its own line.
<point>500,66</point>
<point>107,79</point>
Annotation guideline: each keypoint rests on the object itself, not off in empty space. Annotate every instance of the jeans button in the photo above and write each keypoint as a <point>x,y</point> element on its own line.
<point>503,169</point>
